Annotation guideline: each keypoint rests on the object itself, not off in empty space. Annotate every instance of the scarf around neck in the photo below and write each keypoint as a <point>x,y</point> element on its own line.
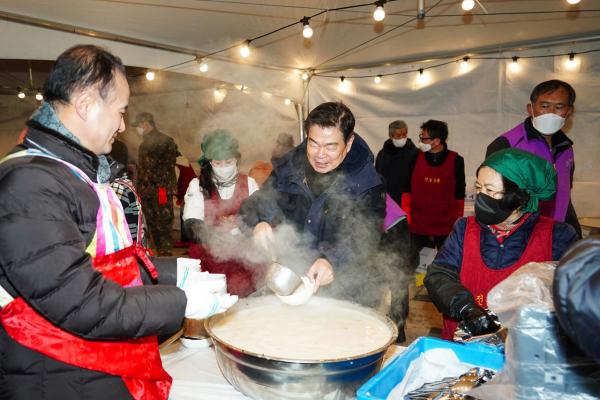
<point>46,116</point>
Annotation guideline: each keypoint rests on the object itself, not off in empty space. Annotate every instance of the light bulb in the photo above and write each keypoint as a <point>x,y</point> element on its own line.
<point>464,64</point>
<point>287,102</point>
<point>514,65</point>
<point>203,66</point>
<point>573,1</point>
<point>21,94</point>
<point>307,31</point>
<point>421,79</point>
<point>343,83</point>
<point>219,95</point>
<point>468,5</point>
<point>150,75</point>
<point>572,63</point>
<point>245,49</point>
<point>379,13</point>
<point>305,76</point>
<point>39,96</point>
<point>377,79</point>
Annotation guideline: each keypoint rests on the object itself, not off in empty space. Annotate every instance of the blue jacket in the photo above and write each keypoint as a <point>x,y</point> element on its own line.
<point>343,224</point>
<point>443,275</point>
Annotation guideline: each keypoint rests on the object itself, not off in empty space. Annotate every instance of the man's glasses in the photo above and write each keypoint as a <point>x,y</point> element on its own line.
<point>423,138</point>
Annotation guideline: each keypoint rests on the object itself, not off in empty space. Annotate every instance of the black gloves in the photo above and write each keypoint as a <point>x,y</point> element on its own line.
<point>477,320</point>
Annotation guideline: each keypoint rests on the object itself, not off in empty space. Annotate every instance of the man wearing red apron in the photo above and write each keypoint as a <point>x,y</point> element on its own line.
<point>437,188</point>
<point>79,314</point>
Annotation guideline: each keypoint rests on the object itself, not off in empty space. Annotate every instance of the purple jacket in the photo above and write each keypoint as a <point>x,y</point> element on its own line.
<point>517,137</point>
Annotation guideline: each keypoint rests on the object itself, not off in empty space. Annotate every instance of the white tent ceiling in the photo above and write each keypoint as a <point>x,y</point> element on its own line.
<point>206,26</point>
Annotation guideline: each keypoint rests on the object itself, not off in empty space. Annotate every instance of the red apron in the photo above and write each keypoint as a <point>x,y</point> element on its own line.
<point>240,280</point>
<point>136,361</point>
<point>479,279</point>
<point>433,206</point>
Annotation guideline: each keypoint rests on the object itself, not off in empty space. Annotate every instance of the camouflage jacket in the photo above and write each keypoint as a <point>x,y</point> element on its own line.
<point>156,164</point>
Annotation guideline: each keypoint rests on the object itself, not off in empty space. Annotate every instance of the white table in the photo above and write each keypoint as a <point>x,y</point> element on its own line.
<point>196,375</point>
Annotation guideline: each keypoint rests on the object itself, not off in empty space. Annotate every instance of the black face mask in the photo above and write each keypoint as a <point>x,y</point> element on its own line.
<point>489,211</point>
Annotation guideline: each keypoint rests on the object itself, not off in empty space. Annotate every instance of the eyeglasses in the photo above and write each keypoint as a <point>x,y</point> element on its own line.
<point>423,139</point>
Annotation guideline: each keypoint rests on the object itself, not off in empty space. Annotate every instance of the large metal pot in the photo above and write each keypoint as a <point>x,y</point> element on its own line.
<point>272,378</point>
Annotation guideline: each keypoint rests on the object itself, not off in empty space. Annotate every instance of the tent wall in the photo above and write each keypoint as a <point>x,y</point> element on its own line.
<point>186,111</point>
<point>478,106</point>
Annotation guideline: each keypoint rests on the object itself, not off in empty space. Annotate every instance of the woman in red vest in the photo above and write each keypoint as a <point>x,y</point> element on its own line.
<point>506,233</point>
<point>211,206</point>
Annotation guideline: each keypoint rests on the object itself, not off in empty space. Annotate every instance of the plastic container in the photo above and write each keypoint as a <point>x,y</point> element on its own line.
<point>381,384</point>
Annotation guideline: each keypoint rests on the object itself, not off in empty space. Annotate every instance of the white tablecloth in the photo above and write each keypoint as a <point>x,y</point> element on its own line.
<point>196,375</point>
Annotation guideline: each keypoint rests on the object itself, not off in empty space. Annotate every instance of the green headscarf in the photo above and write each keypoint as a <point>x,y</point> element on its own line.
<point>529,172</point>
<point>219,145</point>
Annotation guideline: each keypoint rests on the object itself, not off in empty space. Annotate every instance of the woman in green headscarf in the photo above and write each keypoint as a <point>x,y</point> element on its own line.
<point>211,206</point>
<point>506,232</point>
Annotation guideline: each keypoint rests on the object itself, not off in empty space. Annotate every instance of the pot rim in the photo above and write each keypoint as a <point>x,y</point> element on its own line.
<point>393,328</point>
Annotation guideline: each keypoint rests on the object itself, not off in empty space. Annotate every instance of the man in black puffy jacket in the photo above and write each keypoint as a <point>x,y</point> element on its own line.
<point>80,305</point>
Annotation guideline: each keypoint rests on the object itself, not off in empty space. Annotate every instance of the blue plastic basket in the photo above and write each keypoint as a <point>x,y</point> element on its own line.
<point>381,384</point>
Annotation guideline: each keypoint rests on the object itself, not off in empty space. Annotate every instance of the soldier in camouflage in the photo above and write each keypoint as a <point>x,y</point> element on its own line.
<point>156,181</point>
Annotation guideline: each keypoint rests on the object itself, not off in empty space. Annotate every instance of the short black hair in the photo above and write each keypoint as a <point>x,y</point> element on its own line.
<point>329,115</point>
<point>549,87</point>
<point>81,66</point>
<point>436,129</point>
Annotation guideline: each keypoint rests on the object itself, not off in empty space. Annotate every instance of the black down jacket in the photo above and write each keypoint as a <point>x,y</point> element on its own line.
<point>47,220</point>
<point>577,295</point>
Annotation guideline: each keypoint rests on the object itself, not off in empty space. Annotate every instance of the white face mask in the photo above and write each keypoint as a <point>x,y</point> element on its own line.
<point>225,173</point>
<point>548,124</point>
<point>399,142</point>
<point>140,130</point>
<point>424,147</point>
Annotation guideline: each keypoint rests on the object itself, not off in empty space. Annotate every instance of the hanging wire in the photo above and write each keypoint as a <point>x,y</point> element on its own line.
<point>574,53</point>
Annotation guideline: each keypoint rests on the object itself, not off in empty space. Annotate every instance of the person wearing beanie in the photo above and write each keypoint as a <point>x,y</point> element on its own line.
<point>211,205</point>
<point>506,233</point>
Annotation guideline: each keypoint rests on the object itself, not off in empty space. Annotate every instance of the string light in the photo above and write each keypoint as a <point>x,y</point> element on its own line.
<point>287,102</point>
<point>421,78</point>
<point>305,76</point>
<point>203,67</point>
<point>573,1</point>
<point>343,83</point>
<point>514,65</point>
<point>307,31</point>
<point>464,64</point>
<point>39,96</point>
<point>150,75</point>
<point>20,94</point>
<point>468,5</point>
<point>379,13</point>
<point>245,49</point>
<point>219,95</point>
<point>572,63</point>
<point>377,79</point>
